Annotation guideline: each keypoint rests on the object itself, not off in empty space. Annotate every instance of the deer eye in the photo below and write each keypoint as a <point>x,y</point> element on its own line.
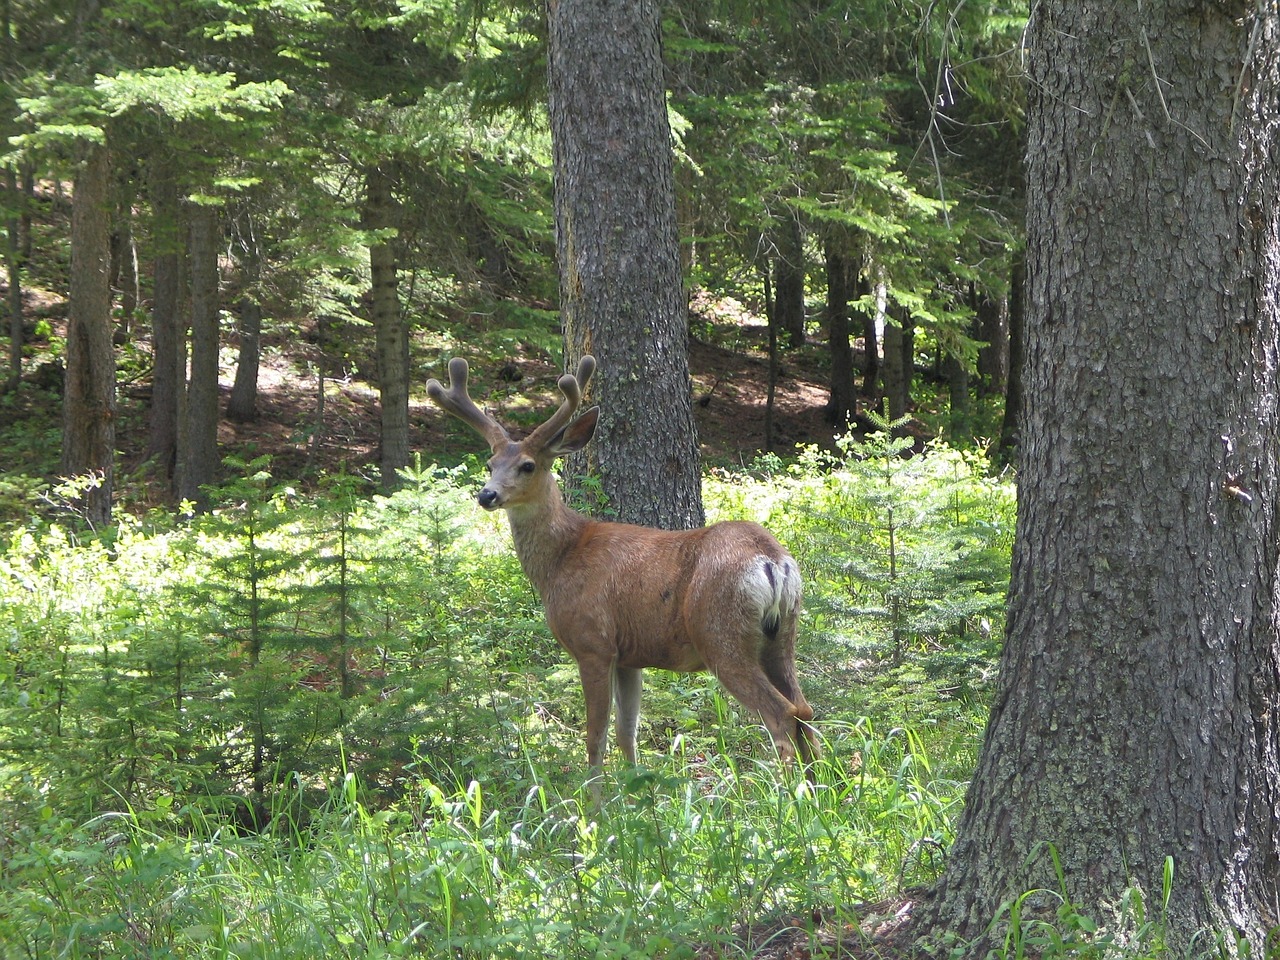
<point>528,466</point>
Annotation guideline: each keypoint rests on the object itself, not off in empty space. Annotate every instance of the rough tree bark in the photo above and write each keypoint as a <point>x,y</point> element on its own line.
<point>992,325</point>
<point>89,400</point>
<point>1136,712</point>
<point>898,367</point>
<point>622,295</point>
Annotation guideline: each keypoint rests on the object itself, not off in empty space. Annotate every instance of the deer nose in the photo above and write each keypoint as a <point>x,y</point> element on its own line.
<point>488,498</point>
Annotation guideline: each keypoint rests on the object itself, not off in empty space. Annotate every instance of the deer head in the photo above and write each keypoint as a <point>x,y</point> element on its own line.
<point>518,469</point>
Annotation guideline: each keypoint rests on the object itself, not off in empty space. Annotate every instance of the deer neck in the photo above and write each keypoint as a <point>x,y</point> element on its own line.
<point>543,533</point>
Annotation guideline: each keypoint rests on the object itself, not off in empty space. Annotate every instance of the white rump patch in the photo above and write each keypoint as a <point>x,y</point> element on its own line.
<point>775,585</point>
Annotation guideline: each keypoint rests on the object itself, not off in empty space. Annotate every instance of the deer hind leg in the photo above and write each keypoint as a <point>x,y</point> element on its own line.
<point>627,683</point>
<point>752,687</point>
<point>777,659</point>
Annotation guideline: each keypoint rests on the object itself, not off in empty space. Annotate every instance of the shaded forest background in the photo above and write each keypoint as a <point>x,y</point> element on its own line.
<point>847,180</point>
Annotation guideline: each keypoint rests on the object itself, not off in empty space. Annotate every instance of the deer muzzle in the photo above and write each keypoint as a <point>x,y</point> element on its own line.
<point>488,498</point>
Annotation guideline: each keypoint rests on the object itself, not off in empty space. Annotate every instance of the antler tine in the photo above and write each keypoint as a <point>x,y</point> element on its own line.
<point>457,401</point>
<point>571,386</point>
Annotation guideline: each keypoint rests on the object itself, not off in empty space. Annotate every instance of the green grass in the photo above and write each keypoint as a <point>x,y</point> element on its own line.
<point>675,857</point>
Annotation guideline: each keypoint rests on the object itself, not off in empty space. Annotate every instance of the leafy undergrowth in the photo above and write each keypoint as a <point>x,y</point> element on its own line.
<point>338,726</point>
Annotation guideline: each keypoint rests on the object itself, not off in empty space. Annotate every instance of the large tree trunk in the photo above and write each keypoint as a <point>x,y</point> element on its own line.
<point>89,401</point>
<point>1136,713</point>
<point>199,454</point>
<point>390,331</point>
<point>622,295</point>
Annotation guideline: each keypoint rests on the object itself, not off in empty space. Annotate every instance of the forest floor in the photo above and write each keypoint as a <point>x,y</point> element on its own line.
<point>883,931</point>
<point>727,358</point>
<point>730,372</point>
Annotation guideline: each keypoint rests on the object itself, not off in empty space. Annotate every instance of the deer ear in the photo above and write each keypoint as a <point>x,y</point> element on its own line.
<point>575,436</point>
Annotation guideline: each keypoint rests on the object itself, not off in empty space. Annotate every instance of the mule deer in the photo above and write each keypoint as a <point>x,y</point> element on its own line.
<point>620,598</point>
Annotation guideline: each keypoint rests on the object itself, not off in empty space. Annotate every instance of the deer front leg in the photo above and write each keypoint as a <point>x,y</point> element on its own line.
<point>597,691</point>
<point>627,683</point>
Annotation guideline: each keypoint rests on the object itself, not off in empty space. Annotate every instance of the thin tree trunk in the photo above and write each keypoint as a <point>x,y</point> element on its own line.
<point>13,265</point>
<point>899,362</point>
<point>1010,426</point>
<point>89,400</point>
<point>168,349</point>
<point>390,331</point>
<point>14,201</point>
<point>200,460</point>
<point>124,257</point>
<point>622,295</point>
<point>789,276</point>
<point>242,405</point>
<point>872,317</point>
<point>24,222</point>
<point>956,374</point>
<point>993,330</point>
<point>772,391</point>
<point>842,403</point>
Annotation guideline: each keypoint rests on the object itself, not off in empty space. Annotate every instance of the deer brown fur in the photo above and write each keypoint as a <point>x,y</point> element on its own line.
<point>620,598</point>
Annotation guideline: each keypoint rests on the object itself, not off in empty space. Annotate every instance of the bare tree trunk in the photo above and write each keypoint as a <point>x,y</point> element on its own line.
<point>124,256</point>
<point>843,402</point>
<point>1010,426</point>
<point>871,318</point>
<point>89,401</point>
<point>789,276</point>
<point>993,329</point>
<point>168,340</point>
<point>956,374</point>
<point>242,405</point>
<point>1136,716</point>
<point>199,459</point>
<point>899,361</point>
<point>771,393</point>
<point>622,295</point>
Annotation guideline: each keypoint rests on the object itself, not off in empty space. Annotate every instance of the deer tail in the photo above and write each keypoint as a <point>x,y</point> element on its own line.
<point>781,589</point>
